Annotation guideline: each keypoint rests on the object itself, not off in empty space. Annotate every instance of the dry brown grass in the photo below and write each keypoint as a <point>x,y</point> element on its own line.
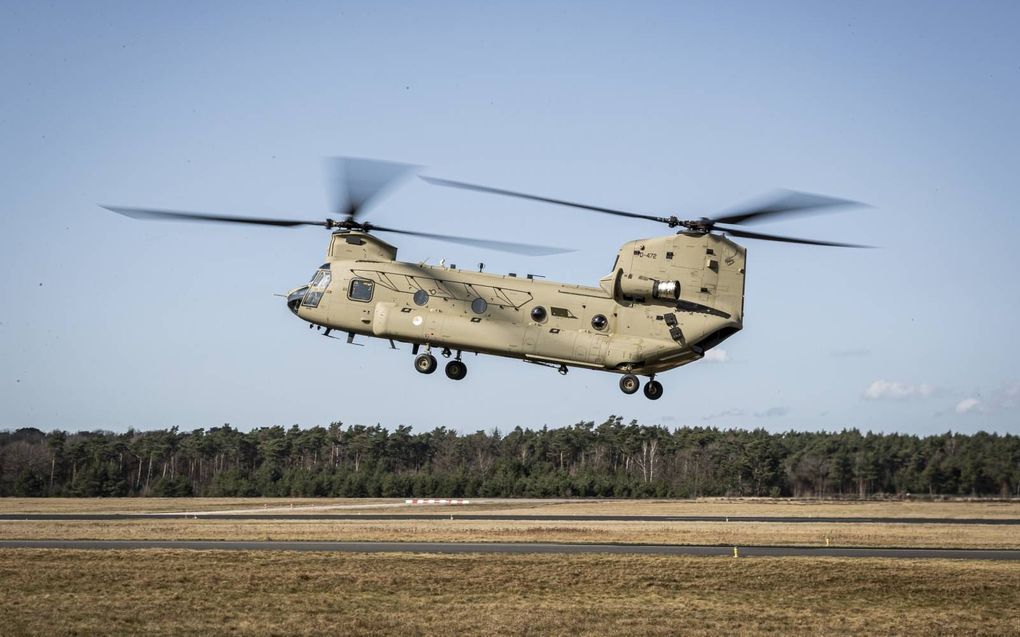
<point>221,592</point>
<point>703,506</point>
<point>773,508</point>
<point>733,533</point>
<point>169,505</point>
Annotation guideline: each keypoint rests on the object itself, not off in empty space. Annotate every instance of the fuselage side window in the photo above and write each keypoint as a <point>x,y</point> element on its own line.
<point>361,290</point>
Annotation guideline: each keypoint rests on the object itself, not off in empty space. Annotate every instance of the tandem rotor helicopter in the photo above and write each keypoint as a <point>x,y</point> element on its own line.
<point>665,303</point>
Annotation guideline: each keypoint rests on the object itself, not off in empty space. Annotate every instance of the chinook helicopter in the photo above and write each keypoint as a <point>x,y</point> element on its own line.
<point>666,301</point>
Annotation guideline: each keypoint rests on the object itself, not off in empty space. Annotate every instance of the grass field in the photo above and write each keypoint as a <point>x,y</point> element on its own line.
<point>702,506</point>
<point>456,530</point>
<point>220,592</point>
<point>736,534</point>
<point>262,592</point>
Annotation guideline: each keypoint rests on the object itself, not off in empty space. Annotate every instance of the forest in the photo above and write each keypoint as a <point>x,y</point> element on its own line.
<point>610,459</point>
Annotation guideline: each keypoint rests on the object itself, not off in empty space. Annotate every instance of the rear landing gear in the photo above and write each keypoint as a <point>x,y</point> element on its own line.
<point>426,363</point>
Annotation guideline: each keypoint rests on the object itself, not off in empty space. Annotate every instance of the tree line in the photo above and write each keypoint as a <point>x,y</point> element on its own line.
<point>611,459</point>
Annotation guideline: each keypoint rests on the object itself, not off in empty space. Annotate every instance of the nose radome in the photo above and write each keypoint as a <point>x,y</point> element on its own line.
<point>294,298</point>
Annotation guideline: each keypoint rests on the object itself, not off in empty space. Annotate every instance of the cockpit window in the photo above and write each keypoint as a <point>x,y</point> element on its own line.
<point>361,290</point>
<point>316,288</point>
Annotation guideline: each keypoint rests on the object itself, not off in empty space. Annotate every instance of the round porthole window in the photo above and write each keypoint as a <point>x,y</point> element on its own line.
<point>421,297</point>
<point>478,306</point>
<point>538,314</point>
<point>599,322</point>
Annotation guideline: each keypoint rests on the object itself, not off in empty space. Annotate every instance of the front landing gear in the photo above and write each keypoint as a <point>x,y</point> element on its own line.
<point>629,384</point>
<point>425,363</point>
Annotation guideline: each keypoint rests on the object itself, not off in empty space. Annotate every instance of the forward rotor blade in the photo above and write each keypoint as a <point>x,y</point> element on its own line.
<point>780,204</point>
<point>735,232</point>
<point>173,215</point>
<point>521,195</point>
<point>353,182</point>
<point>502,246</point>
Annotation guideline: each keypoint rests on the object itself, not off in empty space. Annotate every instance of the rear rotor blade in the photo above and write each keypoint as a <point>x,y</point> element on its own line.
<point>173,215</point>
<point>780,204</point>
<point>502,246</point>
<point>521,195</point>
<point>735,232</point>
<point>353,182</point>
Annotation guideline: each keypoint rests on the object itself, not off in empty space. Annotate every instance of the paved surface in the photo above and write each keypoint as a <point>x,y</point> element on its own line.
<point>467,547</point>
<point>484,517</point>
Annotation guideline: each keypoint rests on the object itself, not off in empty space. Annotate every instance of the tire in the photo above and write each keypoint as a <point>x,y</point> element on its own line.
<point>653,390</point>
<point>456,370</point>
<point>629,384</point>
<point>425,363</point>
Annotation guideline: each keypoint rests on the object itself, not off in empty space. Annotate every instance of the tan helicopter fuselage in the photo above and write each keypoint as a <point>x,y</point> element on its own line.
<point>667,300</point>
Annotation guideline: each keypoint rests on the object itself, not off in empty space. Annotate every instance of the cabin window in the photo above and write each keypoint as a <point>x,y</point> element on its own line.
<point>538,314</point>
<point>361,290</point>
<point>479,306</point>
<point>599,322</point>
<point>421,297</point>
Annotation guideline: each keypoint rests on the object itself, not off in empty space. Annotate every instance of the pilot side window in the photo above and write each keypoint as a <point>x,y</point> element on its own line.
<point>361,290</point>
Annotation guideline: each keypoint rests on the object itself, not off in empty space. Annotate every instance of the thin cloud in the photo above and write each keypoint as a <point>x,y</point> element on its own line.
<point>729,413</point>
<point>858,352</point>
<point>968,406</point>
<point>1008,396</point>
<point>716,355</point>
<point>1004,398</point>
<point>893,390</point>
<point>772,412</point>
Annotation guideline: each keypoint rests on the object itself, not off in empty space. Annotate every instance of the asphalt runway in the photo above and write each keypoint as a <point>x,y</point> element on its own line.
<point>96,517</point>
<point>519,548</point>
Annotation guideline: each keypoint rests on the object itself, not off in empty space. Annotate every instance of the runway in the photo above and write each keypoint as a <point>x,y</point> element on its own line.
<point>519,548</point>
<point>279,517</point>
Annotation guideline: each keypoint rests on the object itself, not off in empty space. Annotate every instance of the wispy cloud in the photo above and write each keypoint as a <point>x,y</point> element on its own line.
<point>857,352</point>
<point>772,412</point>
<point>716,355</point>
<point>1006,397</point>
<point>729,413</point>
<point>893,390</point>
<point>968,406</point>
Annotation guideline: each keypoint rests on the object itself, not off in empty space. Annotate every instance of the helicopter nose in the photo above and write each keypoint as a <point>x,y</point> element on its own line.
<point>294,298</point>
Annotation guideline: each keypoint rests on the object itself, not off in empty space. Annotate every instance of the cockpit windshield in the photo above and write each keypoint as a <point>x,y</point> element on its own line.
<point>316,288</point>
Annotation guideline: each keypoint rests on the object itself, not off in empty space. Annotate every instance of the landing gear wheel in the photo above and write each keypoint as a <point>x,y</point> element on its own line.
<point>629,384</point>
<point>456,370</point>
<point>653,390</point>
<point>425,363</point>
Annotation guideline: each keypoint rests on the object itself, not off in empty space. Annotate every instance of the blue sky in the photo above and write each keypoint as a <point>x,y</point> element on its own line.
<point>674,107</point>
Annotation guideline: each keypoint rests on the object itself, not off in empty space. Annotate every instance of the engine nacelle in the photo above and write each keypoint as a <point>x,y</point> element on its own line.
<point>645,290</point>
